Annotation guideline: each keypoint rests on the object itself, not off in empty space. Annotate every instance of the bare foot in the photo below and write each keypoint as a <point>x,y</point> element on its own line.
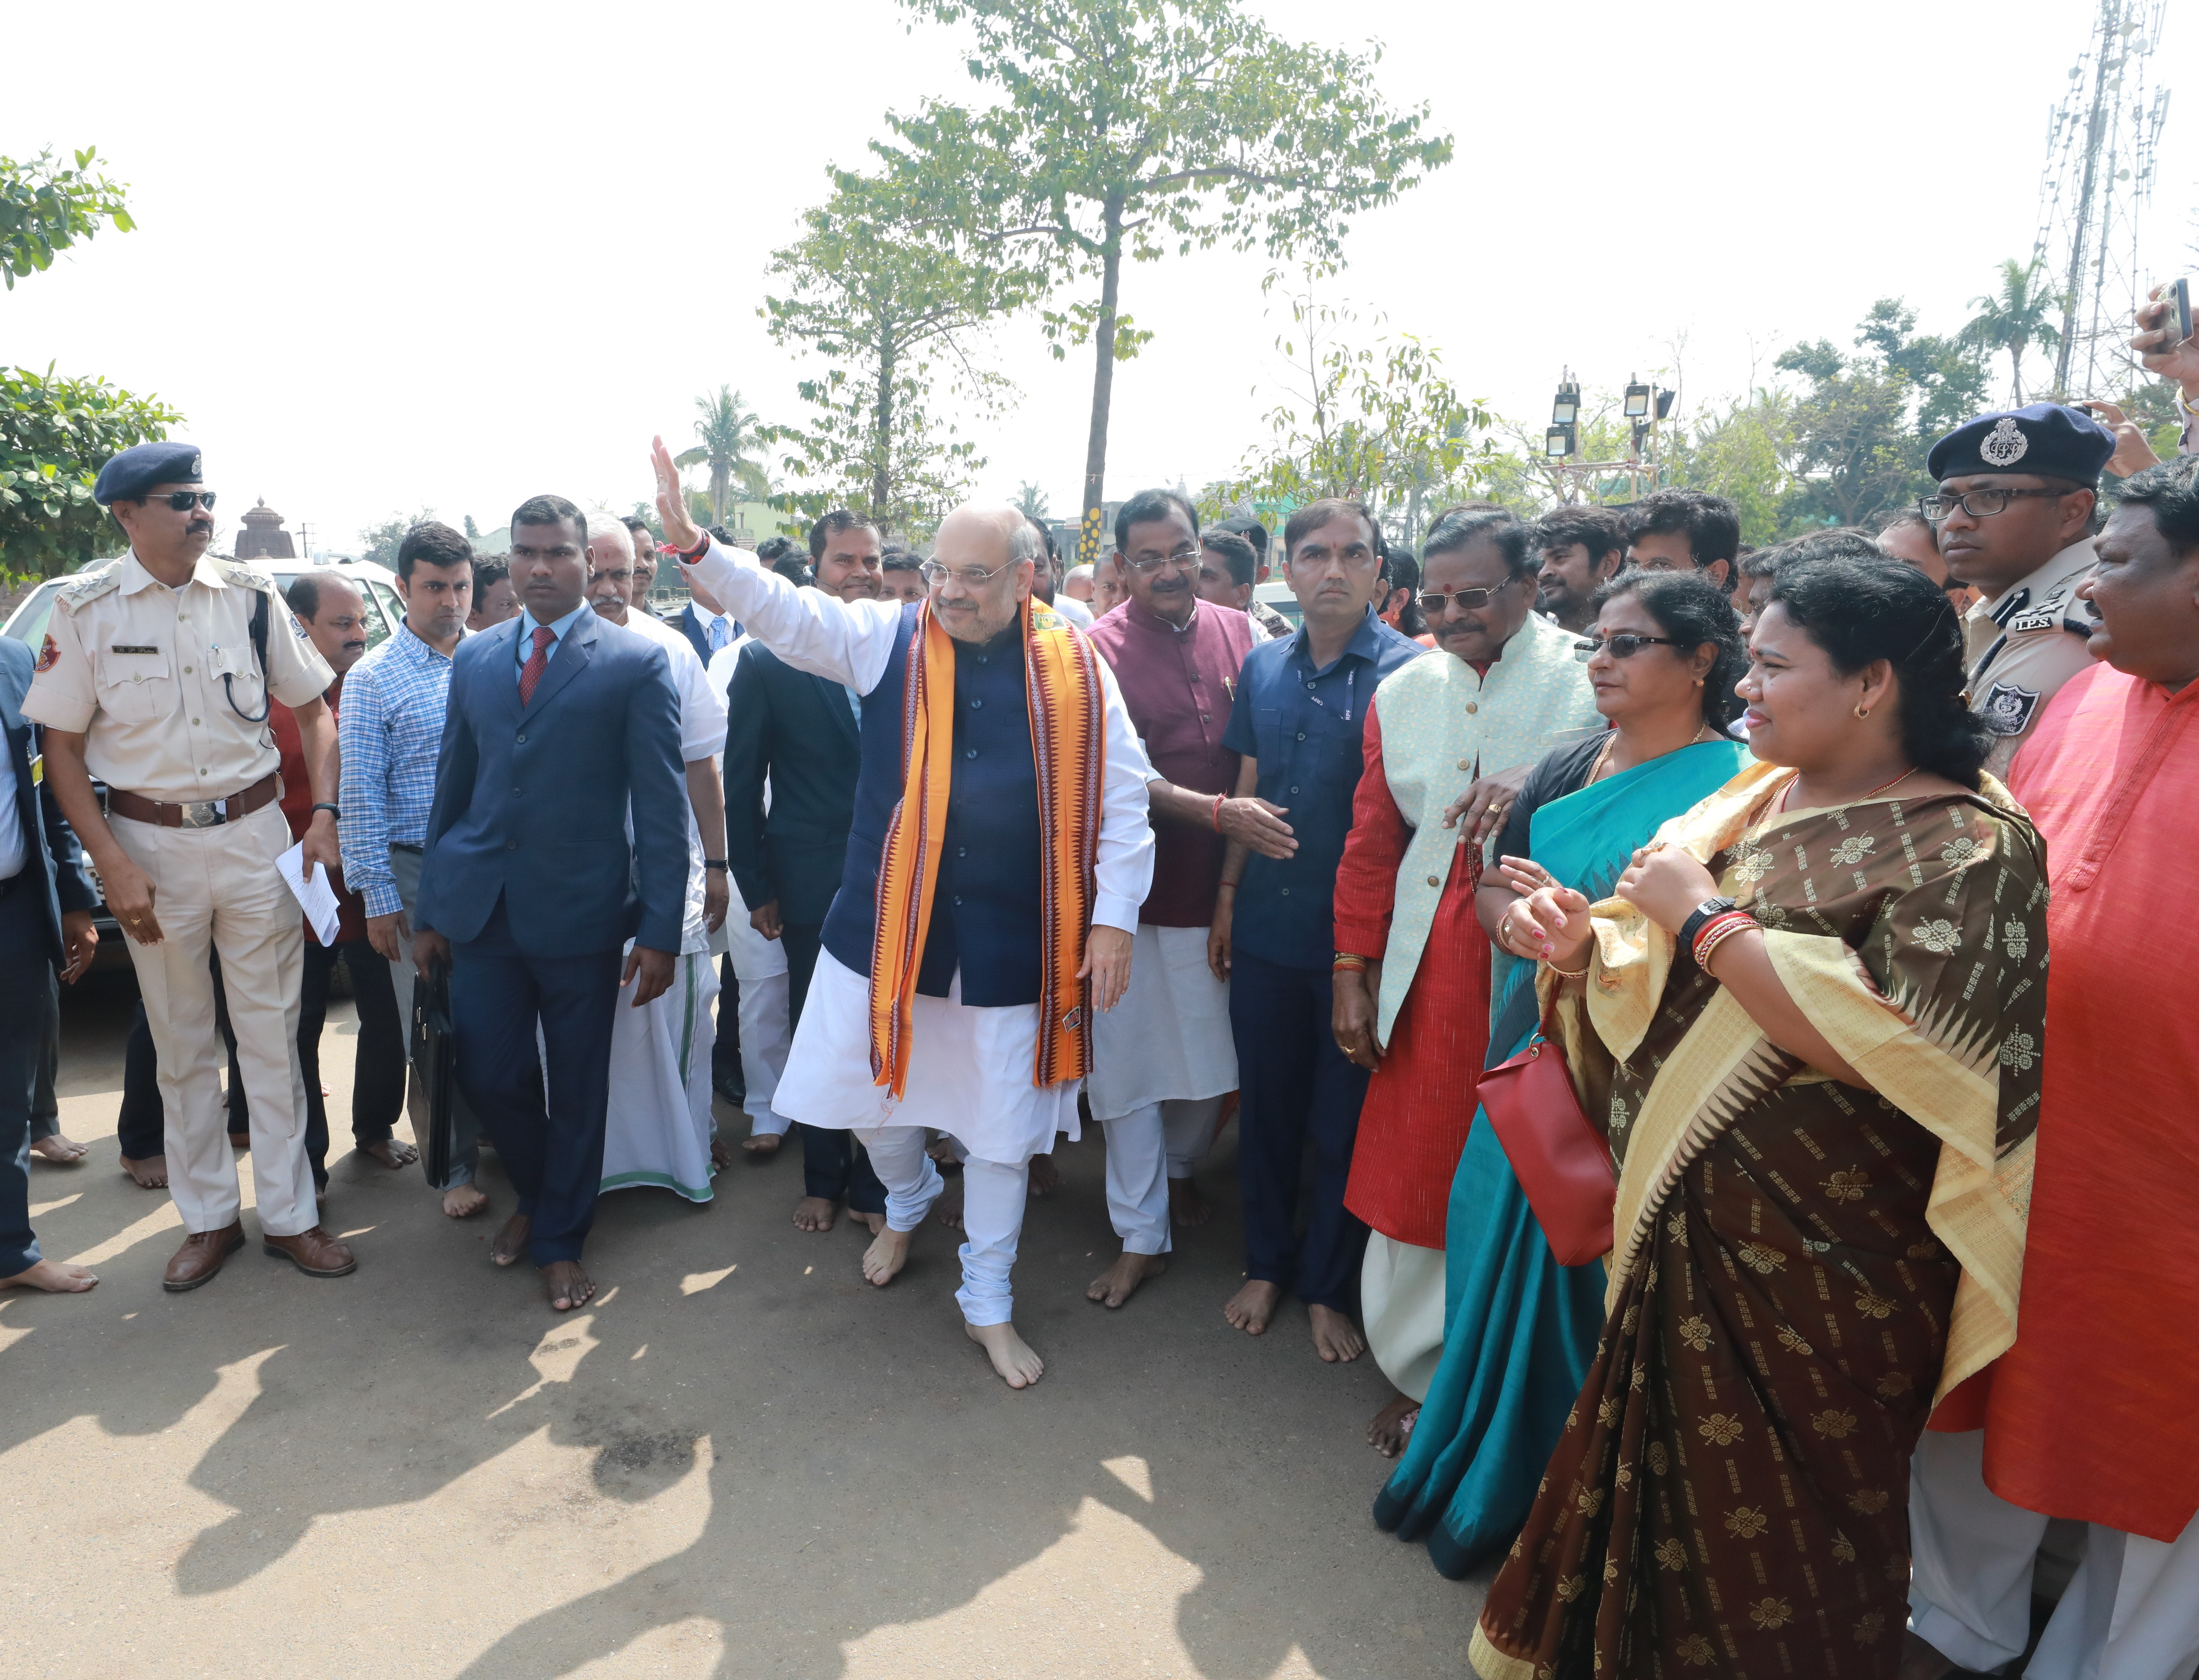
<point>948,1209</point>
<point>462,1201</point>
<point>760,1147</point>
<point>65,1152</point>
<point>942,1151</point>
<point>1335,1337</point>
<point>511,1243</point>
<point>54,1278</point>
<point>1120,1282</point>
<point>885,1256</point>
<point>391,1152</point>
<point>1393,1426</point>
<point>569,1286</point>
<point>1252,1307</point>
<point>1921,1660</point>
<point>1018,1367</point>
<point>1188,1208</point>
<point>149,1173</point>
<point>872,1223</point>
<point>815,1213</point>
<point>1044,1180</point>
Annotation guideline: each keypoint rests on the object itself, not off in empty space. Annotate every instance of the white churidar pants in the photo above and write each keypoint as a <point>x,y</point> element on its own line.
<point>993,1196</point>
<point>2131,1611</point>
<point>1145,1149</point>
<point>765,1012</point>
<point>218,889</point>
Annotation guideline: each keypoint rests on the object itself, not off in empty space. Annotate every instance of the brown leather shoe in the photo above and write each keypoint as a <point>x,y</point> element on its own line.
<point>314,1252</point>
<point>200,1256</point>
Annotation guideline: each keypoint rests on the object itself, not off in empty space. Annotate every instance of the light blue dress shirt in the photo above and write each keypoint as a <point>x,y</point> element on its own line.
<point>523,649</point>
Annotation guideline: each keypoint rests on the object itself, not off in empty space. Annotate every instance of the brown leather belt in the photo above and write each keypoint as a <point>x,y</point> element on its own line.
<point>200,813</point>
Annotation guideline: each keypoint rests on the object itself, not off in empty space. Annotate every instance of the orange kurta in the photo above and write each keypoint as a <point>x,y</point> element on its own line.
<point>2090,1413</point>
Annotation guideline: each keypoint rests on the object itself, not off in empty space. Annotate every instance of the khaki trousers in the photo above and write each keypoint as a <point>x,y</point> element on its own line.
<point>219,889</point>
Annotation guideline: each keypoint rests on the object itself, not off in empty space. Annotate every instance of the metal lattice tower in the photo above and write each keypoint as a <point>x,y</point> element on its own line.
<point>2102,139</point>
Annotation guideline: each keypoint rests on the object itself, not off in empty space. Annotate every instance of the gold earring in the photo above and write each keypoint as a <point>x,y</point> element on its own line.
<point>1863,711</point>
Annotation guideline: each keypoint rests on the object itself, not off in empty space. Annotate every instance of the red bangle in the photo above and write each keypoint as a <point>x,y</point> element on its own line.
<point>1218,798</point>
<point>1718,928</point>
<point>689,556</point>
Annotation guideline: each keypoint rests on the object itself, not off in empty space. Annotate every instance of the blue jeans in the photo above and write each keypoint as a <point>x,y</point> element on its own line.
<point>1293,1085</point>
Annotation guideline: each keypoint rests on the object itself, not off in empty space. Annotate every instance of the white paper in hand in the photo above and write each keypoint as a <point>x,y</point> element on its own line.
<point>315,895</point>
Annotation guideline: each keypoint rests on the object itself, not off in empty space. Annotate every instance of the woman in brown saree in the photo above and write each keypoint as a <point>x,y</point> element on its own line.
<point>1823,1130</point>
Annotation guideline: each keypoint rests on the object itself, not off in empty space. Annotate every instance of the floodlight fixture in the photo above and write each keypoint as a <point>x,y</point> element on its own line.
<point>1665,403</point>
<point>1564,408</point>
<point>1637,399</point>
<point>1558,442</point>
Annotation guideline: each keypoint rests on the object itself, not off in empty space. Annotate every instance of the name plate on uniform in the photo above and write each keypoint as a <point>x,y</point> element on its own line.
<point>120,647</point>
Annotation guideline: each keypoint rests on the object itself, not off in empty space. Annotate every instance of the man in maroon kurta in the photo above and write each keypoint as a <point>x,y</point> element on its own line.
<point>1163,1059</point>
<point>2088,1416</point>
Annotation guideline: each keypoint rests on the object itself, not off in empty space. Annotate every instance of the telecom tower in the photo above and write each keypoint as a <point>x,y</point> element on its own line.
<point>2102,140</point>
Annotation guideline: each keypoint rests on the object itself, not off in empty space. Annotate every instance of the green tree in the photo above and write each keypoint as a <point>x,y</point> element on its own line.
<point>732,436</point>
<point>1133,129</point>
<point>1741,453</point>
<point>472,529</point>
<point>2019,319</point>
<point>895,314</point>
<point>54,437</point>
<point>44,210</point>
<point>379,543</point>
<point>1030,502</point>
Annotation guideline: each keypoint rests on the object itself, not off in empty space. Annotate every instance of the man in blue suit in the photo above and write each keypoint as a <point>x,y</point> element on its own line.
<point>559,724</point>
<point>46,901</point>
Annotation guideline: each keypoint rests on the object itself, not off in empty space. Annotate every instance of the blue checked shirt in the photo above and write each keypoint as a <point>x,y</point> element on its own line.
<point>390,731</point>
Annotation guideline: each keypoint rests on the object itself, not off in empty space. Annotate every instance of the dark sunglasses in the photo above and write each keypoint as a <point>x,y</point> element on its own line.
<point>185,500</point>
<point>1626,645</point>
<point>1432,602</point>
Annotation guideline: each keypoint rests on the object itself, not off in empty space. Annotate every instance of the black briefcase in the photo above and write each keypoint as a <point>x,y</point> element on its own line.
<point>433,1046</point>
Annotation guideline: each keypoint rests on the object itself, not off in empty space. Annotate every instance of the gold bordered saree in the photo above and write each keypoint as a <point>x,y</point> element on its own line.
<point>1801,1267</point>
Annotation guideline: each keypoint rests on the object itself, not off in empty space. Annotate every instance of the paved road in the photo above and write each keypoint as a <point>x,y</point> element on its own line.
<point>742,1461</point>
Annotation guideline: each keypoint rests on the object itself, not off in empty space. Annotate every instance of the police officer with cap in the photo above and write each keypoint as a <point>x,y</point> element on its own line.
<point>2015,518</point>
<point>155,676</point>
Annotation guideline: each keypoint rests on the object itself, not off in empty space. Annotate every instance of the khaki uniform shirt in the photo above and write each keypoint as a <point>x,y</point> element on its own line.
<point>2023,644</point>
<point>163,684</point>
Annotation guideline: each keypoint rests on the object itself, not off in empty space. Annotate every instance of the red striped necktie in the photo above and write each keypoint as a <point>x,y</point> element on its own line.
<point>537,662</point>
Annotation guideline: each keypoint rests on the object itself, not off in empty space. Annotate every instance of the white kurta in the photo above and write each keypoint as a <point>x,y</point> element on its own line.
<point>970,1068</point>
<point>759,969</point>
<point>657,1130</point>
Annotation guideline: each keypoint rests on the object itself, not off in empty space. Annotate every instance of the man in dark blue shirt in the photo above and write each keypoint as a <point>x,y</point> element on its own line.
<point>1298,714</point>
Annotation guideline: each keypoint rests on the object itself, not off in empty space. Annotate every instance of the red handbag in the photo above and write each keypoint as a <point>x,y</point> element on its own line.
<point>1561,1160</point>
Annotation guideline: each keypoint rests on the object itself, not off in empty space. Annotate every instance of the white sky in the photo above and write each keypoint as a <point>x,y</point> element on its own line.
<point>451,255</point>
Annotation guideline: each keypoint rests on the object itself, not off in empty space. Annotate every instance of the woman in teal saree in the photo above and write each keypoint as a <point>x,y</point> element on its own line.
<point>1520,1330</point>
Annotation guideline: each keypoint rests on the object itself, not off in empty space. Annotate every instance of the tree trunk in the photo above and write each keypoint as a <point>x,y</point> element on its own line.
<point>1103,389</point>
<point>882,456</point>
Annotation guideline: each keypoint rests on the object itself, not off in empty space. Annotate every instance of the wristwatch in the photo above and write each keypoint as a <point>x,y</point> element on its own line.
<point>1702,912</point>
<point>331,809</point>
<point>717,863</point>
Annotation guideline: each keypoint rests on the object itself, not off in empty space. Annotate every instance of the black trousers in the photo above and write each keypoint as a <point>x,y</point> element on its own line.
<point>25,970</point>
<point>726,1075</point>
<point>377,1090</point>
<point>833,1164</point>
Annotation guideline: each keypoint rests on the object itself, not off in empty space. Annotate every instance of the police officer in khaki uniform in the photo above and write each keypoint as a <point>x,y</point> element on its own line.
<point>155,676</point>
<point>2015,520</point>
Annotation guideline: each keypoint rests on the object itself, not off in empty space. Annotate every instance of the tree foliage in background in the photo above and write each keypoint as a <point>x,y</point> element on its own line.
<point>1376,422</point>
<point>1030,502</point>
<point>44,210</point>
<point>2017,318</point>
<point>1133,128</point>
<point>380,543</point>
<point>896,315</point>
<point>732,438</point>
<point>54,437</point>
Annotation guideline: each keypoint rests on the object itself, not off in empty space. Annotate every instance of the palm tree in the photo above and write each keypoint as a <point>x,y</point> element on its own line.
<point>2017,320</point>
<point>732,439</point>
<point>1030,502</point>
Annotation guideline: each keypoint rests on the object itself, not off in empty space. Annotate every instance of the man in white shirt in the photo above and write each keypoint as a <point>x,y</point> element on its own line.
<point>993,874</point>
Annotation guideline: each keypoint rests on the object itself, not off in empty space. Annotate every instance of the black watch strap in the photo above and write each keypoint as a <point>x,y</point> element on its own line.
<point>717,863</point>
<point>1701,913</point>
<point>332,810</point>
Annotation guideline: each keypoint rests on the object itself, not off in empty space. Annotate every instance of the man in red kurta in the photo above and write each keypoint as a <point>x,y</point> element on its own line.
<point>333,617</point>
<point>2089,1415</point>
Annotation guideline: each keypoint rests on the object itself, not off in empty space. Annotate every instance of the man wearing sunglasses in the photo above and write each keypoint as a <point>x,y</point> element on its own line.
<point>152,679</point>
<point>2014,514</point>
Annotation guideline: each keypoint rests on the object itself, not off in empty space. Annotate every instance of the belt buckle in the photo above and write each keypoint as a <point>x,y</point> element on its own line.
<point>202,813</point>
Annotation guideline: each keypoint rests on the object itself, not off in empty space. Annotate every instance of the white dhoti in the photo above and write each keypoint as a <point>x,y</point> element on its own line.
<point>1161,1061</point>
<point>766,1015</point>
<point>2131,1611</point>
<point>1401,1297</point>
<point>658,1131</point>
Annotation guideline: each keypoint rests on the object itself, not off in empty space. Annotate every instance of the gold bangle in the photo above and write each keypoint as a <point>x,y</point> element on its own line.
<point>1565,973</point>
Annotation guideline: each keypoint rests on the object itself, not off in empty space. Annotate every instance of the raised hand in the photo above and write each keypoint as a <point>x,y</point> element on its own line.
<point>679,531</point>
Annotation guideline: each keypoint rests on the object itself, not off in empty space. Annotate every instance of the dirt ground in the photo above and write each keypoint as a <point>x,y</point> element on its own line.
<point>741,1461</point>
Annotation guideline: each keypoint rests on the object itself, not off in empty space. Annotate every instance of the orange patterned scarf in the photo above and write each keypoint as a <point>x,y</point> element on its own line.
<point>1068,745</point>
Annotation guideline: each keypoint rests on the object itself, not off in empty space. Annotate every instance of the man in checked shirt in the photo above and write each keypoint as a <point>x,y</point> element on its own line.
<point>390,731</point>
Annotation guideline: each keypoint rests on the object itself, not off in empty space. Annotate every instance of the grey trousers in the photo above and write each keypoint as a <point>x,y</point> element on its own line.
<point>465,1155</point>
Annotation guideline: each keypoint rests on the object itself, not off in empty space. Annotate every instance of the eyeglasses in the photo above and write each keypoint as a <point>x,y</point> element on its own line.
<point>1187,558</point>
<point>1978,503</point>
<point>1432,602</point>
<point>1624,645</point>
<point>185,500</point>
<point>973,577</point>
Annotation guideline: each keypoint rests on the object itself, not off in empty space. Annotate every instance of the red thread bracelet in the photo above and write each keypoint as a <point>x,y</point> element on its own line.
<point>1218,798</point>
